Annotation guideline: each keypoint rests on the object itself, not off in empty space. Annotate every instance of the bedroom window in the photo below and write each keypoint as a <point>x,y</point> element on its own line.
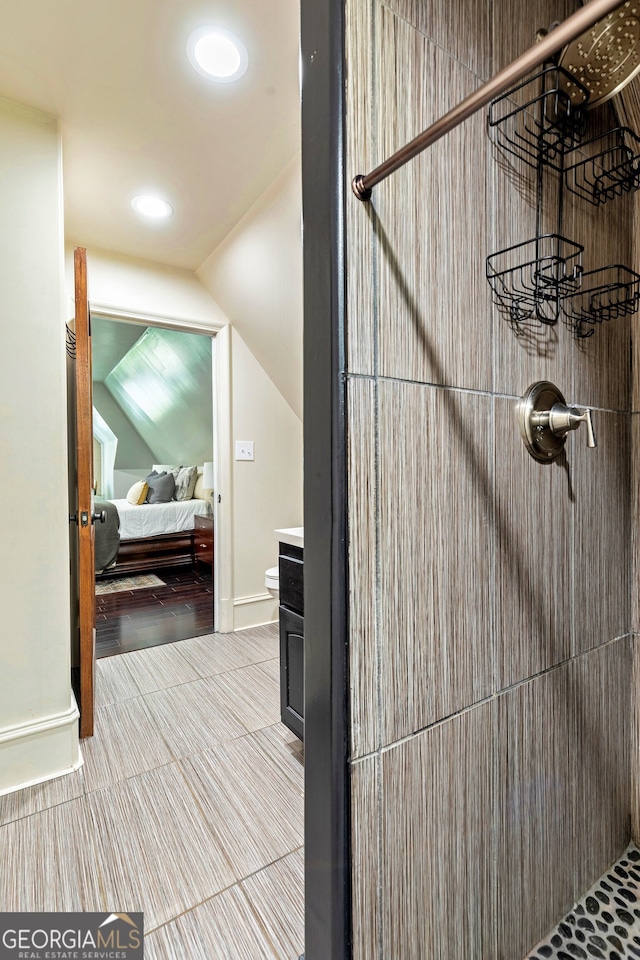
<point>105,444</point>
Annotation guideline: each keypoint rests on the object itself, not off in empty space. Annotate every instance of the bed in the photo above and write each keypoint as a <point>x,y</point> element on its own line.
<point>151,535</point>
<point>157,519</point>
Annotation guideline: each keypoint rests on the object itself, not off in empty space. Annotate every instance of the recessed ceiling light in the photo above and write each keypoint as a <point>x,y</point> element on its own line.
<point>217,54</point>
<point>154,207</point>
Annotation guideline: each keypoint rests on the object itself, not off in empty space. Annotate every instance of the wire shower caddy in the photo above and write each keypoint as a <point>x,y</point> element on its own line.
<point>538,122</point>
<point>605,167</point>
<point>605,294</point>
<point>543,122</point>
<point>541,118</point>
<point>530,279</point>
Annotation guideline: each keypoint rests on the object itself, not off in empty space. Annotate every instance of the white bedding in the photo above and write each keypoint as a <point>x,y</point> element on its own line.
<point>151,519</point>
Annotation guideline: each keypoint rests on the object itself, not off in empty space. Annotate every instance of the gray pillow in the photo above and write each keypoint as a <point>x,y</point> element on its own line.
<point>185,483</point>
<point>161,487</point>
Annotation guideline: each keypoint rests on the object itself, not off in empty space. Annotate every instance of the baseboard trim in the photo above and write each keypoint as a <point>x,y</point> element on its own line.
<point>257,598</point>
<point>223,614</point>
<point>42,725</point>
<point>39,750</point>
<point>254,611</point>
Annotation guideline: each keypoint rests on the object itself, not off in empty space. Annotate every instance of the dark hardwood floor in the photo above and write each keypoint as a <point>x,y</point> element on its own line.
<point>155,615</point>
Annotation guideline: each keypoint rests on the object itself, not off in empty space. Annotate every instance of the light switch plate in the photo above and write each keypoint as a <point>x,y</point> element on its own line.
<point>244,450</point>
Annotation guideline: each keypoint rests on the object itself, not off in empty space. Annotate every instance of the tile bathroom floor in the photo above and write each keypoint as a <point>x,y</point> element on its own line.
<point>605,923</point>
<point>189,806</point>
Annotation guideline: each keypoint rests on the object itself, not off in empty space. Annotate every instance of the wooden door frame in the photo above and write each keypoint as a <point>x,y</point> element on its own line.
<point>84,494</point>
<point>221,399</point>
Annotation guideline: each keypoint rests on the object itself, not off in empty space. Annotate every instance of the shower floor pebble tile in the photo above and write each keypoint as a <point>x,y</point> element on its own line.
<point>605,923</point>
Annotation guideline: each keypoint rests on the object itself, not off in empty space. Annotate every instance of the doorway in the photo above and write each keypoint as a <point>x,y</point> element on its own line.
<point>153,405</point>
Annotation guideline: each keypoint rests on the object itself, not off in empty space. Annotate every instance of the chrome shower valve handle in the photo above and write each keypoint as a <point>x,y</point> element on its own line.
<point>563,418</point>
<point>545,421</point>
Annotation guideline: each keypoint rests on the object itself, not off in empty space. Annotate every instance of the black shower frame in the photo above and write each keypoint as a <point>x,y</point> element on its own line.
<point>327,820</point>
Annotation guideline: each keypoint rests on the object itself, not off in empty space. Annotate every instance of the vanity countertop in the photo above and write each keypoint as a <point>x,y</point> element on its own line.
<point>291,535</point>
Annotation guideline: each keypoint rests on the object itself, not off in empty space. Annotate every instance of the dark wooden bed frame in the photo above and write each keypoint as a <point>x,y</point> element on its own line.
<point>151,553</point>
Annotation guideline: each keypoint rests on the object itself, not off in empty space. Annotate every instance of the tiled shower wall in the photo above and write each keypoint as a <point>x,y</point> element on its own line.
<point>490,616</point>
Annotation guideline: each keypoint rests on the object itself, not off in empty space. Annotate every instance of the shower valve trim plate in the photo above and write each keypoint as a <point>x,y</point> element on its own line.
<point>545,420</point>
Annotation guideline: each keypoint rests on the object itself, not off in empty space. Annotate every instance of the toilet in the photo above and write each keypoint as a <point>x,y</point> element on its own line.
<point>272,582</point>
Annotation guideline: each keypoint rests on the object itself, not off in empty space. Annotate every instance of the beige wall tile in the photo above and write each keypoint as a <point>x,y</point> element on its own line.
<point>434,313</point>
<point>365,857</point>
<point>602,521</point>
<point>601,364</point>
<point>635,740</point>
<point>463,30</point>
<point>436,638</point>
<point>537,771</point>
<point>362,494</point>
<point>360,158</point>
<point>533,575</point>
<point>594,370</point>
<point>635,380</point>
<point>635,320</point>
<point>601,367</point>
<point>600,699</point>
<point>529,350</point>
<point>635,522</point>
<point>515,25</point>
<point>437,870</point>
<point>492,568</point>
<point>564,742</point>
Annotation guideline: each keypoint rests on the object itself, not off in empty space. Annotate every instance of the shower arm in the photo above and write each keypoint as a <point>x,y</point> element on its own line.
<point>555,40</point>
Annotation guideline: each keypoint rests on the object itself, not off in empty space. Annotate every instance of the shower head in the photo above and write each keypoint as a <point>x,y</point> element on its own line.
<point>605,58</point>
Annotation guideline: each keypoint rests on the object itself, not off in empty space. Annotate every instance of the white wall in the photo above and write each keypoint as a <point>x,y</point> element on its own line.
<point>267,492</point>
<point>38,716</point>
<point>128,287</point>
<point>123,480</point>
<point>255,275</point>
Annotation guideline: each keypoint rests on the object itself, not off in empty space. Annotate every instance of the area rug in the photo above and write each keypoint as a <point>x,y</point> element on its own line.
<point>123,584</point>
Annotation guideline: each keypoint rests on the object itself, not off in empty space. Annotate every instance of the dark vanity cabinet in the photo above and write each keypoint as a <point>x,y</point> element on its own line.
<point>291,565</point>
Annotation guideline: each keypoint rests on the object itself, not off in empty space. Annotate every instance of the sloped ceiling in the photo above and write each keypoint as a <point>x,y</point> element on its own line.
<point>162,383</point>
<point>256,277</point>
<point>110,342</point>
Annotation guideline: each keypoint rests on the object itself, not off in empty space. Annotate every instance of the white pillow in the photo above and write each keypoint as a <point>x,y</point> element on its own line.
<point>137,494</point>
<point>185,483</point>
